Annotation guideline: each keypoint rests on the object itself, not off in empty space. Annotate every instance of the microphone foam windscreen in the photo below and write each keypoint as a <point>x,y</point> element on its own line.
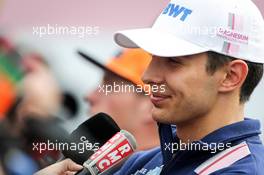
<point>95,131</point>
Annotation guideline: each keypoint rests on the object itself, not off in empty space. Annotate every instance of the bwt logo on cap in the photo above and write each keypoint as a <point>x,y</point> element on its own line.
<point>176,10</point>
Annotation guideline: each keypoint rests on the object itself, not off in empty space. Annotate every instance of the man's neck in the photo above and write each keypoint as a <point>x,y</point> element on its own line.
<point>199,127</point>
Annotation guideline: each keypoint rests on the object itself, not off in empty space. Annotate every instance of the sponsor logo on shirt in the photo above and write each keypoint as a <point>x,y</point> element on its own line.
<point>144,171</point>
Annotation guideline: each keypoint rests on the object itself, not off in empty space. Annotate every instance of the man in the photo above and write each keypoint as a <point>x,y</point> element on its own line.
<point>120,95</point>
<point>209,56</point>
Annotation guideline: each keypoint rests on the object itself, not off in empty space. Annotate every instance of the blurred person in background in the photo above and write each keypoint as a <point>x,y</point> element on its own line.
<point>30,101</point>
<point>38,108</point>
<point>41,92</point>
<point>14,160</point>
<point>40,95</point>
<point>130,109</point>
<point>35,117</point>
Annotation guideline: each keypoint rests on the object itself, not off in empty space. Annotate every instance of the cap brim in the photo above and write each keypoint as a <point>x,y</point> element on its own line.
<point>157,42</point>
<point>92,60</point>
<point>100,65</point>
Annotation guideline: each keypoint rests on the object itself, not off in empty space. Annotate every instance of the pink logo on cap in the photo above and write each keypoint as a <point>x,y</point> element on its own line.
<point>234,33</point>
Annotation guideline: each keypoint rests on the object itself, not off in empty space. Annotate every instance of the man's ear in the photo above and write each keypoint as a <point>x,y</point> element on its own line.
<point>236,73</point>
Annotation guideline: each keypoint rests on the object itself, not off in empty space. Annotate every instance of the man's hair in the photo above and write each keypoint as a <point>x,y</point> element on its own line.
<point>255,72</point>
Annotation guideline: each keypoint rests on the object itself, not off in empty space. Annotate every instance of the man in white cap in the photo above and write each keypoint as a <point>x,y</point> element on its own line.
<point>209,55</point>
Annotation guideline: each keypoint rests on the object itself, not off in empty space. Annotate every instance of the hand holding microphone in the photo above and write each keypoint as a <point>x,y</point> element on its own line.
<point>64,167</point>
<point>106,159</point>
<point>111,155</point>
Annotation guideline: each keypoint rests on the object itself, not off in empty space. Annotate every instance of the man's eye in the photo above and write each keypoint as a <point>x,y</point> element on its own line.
<point>174,60</point>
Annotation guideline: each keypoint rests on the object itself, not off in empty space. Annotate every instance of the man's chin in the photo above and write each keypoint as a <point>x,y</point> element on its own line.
<point>159,115</point>
<point>163,116</point>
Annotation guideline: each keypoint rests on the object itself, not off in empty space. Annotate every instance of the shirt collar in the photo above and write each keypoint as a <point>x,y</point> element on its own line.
<point>233,132</point>
<point>228,134</point>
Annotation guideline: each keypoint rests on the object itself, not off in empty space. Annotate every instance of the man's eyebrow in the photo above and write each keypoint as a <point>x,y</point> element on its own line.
<point>176,58</point>
<point>181,58</point>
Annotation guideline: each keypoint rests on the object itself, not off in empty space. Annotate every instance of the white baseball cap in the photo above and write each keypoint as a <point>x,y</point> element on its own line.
<point>186,27</point>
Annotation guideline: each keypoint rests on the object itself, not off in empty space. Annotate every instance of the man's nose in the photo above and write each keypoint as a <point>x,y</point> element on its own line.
<point>154,72</point>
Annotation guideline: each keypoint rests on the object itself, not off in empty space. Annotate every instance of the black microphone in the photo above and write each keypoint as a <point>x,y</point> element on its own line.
<point>78,146</point>
<point>111,155</point>
<point>91,135</point>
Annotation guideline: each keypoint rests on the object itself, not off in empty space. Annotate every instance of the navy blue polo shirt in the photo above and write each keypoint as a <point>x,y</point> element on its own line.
<point>240,152</point>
